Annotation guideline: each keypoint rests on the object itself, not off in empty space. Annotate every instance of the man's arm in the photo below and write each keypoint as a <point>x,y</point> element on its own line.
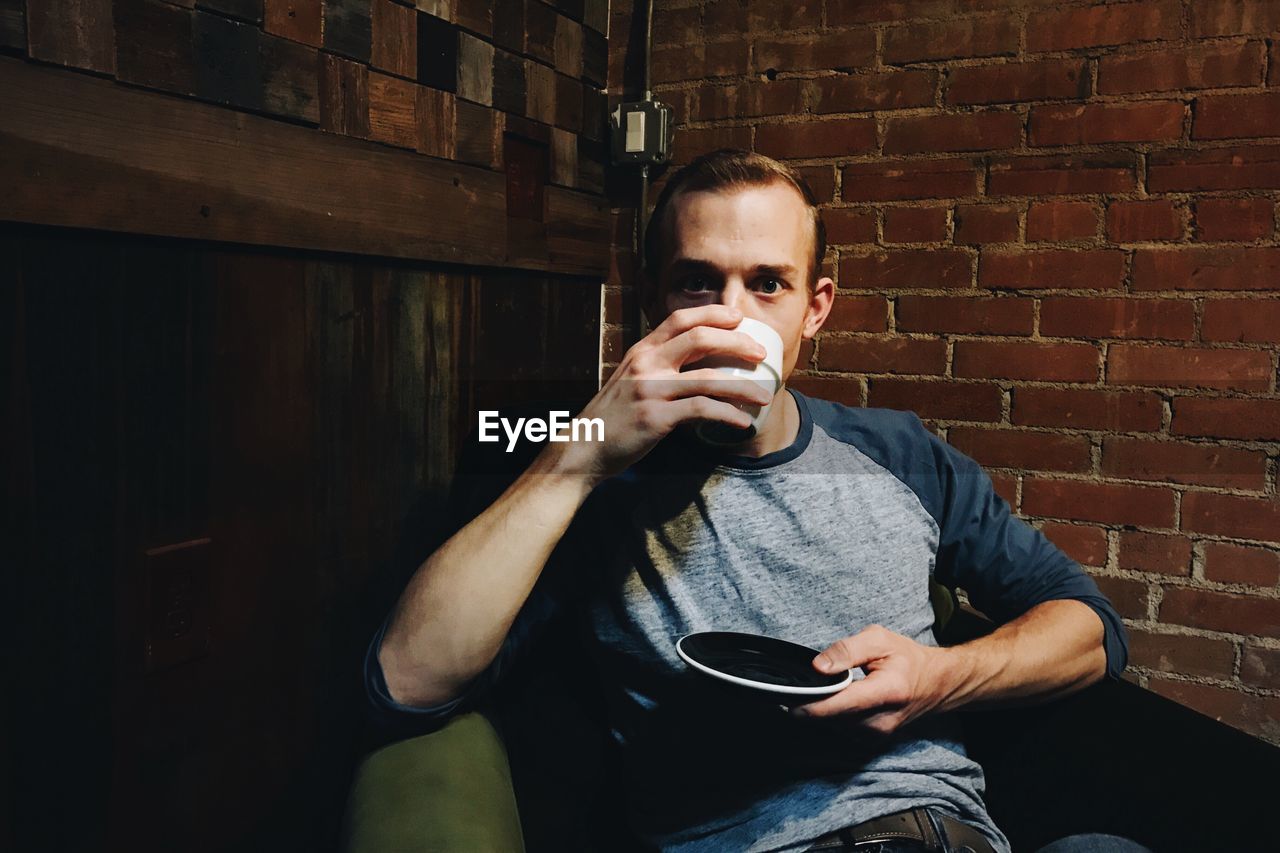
<point>450,622</point>
<point>1053,649</point>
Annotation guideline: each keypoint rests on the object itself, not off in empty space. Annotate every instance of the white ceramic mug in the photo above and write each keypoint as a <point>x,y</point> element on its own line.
<point>767,374</point>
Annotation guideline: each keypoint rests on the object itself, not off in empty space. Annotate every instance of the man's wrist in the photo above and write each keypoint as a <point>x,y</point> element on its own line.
<point>964,672</point>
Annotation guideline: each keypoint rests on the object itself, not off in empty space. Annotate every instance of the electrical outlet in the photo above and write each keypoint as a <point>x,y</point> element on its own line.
<point>177,602</point>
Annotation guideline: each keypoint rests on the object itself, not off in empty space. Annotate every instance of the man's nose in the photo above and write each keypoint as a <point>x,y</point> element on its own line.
<point>734,294</point>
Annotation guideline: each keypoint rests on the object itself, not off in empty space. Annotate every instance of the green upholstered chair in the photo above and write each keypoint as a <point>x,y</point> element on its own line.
<point>1111,758</point>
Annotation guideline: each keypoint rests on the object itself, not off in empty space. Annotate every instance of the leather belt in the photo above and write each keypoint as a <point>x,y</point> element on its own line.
<point>934,829</point>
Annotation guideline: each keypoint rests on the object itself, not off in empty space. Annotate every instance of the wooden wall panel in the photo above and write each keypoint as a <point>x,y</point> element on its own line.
<point>78,33</point>
<point>264,419</point>
<point>87,153</point>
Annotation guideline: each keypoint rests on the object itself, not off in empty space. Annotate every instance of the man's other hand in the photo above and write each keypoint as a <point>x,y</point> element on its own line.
<point>904,680</point>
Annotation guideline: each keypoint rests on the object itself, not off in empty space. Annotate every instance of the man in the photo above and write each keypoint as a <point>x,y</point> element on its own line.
<point>823,529</point>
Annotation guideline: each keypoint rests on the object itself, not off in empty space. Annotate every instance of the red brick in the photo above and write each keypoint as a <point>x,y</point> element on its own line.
<point>1227,418</point>
<point>1129,597</point>
<point>838,389</point>
<point>1095,26</point>
<point>1180,462</point>
<point>678,63</point>
<point>692,143</point>
<point>1245,320</point>
<point>1089,124</point>
<point>866,11</point>
<point>1083,543</point>
<point>858,314</point>
<point>985,223</point>
<point>1134,221</point>
<point>1239,168</point>
<point>955,38</point>
<point>1023,449</point>
<point>1182,653</point>
<point>1224,268</point>
<point>675,26</point>
<point>925,268</point>
<point>1058,175</point>
<point>1256,715</point>
<point>882,355</point>
<point>894,90</point>
<point>854,48</point>
<point>1221,611</point>
<point>747,99</point>
<point>807,139</point>
<point>1018,81</point>
<point>1228,563</point>
<point>1235,219</point>
<point>1260,666</point>
<point>964,315</point>
<point>1081,408</point>
<point>946,400</point>
<point>1047,362</point>
<point>963,132</point>
<point>1092,269</point>
<point>1231,515</point>
<point>898,180</point>
<point>821,180</point>
<point>1084,317</point>
<point>915,224</point>
<point>846,226</point>
<point>1104,503</point>
<point>1233,17</point>
<point>1188,367</point>
<point>1154,552</point>
<point>1203,66</point>
<point>1273,63</point>
<point>1062,220</point>
<point>1235,116</point>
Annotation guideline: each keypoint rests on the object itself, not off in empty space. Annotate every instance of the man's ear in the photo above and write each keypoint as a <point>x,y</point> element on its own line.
<point>820,302</point>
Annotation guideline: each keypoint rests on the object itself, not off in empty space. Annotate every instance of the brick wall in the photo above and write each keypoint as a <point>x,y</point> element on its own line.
<point>1053,229</point>
<point>444,78</point>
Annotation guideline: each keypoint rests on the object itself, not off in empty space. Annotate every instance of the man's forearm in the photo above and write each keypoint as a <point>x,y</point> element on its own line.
<point>456,611</point>
<point>1053,649</point>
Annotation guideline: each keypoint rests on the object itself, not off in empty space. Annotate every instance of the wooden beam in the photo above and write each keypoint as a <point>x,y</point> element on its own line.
<point>86,152</point>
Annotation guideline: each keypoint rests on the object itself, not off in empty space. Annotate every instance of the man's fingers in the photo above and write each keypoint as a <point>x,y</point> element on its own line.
<point>863,647</point>
<point>681,321</point>
<point>877,692</point>
<point>706,382</point>
<point>702,341</point>
<point>686,409</point>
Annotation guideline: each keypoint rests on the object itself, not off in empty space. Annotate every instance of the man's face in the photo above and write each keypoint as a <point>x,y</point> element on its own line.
<point>750,248</point>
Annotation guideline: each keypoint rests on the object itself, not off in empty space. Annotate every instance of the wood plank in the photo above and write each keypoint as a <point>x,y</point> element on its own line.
<point>344,96</point>
<point>228,67</point>
<point>13,26</point>
<point>395,39</point>
<point>155,46</point>
<point>77,33</point>
<point>473,15</point>
<point>290,81</point>
<point>86,152</point>
<point>437,123</point>
<point>348,28</point>
<point>296,20</point>
<point>393,110</point>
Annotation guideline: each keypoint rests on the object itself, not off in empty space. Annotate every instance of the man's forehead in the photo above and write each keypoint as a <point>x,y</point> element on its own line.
<point>770,214</point>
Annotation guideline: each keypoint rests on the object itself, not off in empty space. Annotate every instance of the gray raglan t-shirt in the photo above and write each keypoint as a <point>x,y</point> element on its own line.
<point>837,532</point>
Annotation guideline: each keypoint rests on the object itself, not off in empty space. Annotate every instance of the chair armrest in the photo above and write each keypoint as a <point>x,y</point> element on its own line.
<point>448,790</point>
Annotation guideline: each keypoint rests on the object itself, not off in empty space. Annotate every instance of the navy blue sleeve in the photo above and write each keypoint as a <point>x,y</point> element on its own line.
<point>1004,564</point>
<point>483,473</point>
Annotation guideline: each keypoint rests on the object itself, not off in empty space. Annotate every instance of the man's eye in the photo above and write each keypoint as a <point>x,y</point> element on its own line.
<point>770,285</point>
<point>695,284</point>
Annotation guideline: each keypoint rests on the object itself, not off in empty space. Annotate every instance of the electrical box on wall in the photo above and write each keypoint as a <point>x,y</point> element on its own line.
<point>641,132</point>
